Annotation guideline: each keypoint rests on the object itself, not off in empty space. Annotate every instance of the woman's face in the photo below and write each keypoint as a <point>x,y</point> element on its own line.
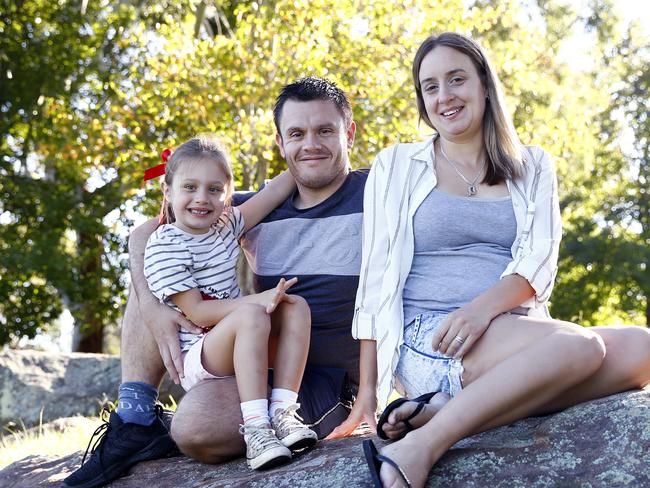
<point>454,96</point>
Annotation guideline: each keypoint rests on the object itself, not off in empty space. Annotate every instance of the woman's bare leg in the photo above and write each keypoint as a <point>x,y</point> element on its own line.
<point>626,366</point>
<point>532,362</point>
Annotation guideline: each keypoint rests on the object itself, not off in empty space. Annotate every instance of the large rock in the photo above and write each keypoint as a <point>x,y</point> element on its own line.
<point>603,443</point>
<point>61,385</point>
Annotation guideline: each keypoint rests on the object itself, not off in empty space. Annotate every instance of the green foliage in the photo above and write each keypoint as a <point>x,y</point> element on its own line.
<point>57,159</point>
<point>88,100</point>
<point>605,251</point>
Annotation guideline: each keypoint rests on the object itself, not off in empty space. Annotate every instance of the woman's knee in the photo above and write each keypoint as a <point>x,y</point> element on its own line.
<point>586,349</point>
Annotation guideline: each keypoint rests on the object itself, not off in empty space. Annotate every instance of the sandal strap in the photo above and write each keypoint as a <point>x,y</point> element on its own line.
<point>385,459</point>
<point>414,414</point>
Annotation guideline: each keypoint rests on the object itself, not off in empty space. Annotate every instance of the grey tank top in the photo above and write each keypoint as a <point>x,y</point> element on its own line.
<point>462,245</point>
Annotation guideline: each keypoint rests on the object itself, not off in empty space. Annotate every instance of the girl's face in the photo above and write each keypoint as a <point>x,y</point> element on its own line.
<point>197,195</point>
<point>453,94</point>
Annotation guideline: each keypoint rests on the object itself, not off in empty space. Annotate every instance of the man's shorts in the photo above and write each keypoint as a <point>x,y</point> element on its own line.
<point>193,366</point>
<point>420,369</point>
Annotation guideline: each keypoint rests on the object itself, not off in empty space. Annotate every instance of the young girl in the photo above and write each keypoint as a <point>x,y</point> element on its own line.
<point>190,264</point>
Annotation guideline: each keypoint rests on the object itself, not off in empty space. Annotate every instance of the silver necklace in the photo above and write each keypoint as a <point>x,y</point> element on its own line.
<point>471,185</point>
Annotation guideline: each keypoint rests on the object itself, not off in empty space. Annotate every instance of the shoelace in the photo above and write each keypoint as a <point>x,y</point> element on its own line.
<point>289,418</point>
<point>98,436</point>
<point>258,437</point>
<point>102,431</point>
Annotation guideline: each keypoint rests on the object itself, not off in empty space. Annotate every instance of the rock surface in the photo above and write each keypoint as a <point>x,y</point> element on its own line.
<point>603,443</point>
<point>61,385</point>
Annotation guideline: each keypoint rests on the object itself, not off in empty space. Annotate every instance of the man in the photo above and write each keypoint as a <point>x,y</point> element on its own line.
<point>315,235</point>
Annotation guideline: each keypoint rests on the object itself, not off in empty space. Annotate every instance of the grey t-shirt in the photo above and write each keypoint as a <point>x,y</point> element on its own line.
<point>462,245</point>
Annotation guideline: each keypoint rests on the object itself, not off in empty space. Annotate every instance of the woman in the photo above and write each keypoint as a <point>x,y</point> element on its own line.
<point>461,238</point>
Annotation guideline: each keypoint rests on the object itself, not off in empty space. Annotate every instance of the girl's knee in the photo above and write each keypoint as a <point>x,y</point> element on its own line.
<point>252,316</point>
<point>301,308</point>
<point>297,312</point>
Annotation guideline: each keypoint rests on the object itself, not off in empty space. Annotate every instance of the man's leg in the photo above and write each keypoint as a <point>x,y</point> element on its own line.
<point>141,359</point>
<point>125,442</point>
<point>142,368</point>
<point>206,422</point>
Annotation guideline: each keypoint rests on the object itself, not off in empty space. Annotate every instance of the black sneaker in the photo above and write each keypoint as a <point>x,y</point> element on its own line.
<point>118,446</point>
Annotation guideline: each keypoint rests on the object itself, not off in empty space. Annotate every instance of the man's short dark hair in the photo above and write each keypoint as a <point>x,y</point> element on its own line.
<point>313,88</point>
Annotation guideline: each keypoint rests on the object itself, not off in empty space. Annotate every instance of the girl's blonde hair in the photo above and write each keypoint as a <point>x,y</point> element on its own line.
<point>202,147</point>
<point>499,136</point>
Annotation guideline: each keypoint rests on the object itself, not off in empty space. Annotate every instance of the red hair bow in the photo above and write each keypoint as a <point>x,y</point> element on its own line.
<point>159,169</point>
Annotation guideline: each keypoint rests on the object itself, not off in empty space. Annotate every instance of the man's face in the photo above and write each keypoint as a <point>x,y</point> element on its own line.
<point>315,141</point>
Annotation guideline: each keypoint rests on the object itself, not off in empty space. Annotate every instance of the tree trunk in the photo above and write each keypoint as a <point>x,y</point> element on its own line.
<point>89,324</point>
<point>91,340</point>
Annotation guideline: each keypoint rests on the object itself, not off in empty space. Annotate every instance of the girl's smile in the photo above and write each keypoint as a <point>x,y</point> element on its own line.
<point>197,195</point>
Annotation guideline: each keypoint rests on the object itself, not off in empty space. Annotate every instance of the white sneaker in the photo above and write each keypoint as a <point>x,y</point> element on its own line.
<point>290,430</point>
<point>263,449</point>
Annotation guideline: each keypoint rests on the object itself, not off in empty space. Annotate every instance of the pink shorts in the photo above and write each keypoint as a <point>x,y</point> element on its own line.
<point>193,366</point>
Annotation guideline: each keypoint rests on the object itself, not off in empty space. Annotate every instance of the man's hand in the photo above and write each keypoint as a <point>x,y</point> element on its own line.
<point>164,323</point>
<point>363,410</point>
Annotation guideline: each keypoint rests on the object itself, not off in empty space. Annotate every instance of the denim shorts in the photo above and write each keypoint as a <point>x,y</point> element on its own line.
<point>420,369</point>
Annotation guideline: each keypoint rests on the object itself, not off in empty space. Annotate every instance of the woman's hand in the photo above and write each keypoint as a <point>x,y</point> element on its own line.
<point>460,331</point>
<point>363,410</point>
<point>270,299</point>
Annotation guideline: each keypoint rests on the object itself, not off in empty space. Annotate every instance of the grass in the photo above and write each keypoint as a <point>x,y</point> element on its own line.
<point>55,439</point>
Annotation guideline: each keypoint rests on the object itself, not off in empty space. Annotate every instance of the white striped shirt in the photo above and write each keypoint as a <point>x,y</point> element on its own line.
<point>400,178</point>
<point>176,261</point>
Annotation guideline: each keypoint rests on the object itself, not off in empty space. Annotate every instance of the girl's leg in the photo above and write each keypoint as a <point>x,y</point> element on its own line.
<point>290,330</point>
<point>239,345</point>
<point>531,362</point>
<point>291,324</point>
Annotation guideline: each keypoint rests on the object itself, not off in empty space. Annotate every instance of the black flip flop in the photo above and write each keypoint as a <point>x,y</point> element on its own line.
<point>422,400</point>
<point>374,460</point>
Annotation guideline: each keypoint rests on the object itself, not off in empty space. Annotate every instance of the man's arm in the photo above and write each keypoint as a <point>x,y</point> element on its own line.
<point>365,405</point>
<point>162,321</point>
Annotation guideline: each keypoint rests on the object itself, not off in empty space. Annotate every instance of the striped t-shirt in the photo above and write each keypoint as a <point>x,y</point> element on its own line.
<point>321,246</point>
<point>176,261</point>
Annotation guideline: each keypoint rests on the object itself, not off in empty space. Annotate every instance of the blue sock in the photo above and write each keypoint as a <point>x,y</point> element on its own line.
<point>136,403</point>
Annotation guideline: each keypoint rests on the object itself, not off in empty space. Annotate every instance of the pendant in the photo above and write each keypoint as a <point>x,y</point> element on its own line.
<point>471,190</point>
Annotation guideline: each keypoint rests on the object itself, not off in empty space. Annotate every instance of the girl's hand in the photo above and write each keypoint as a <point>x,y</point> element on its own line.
<point>460,331</point>
<point>270,299</point>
